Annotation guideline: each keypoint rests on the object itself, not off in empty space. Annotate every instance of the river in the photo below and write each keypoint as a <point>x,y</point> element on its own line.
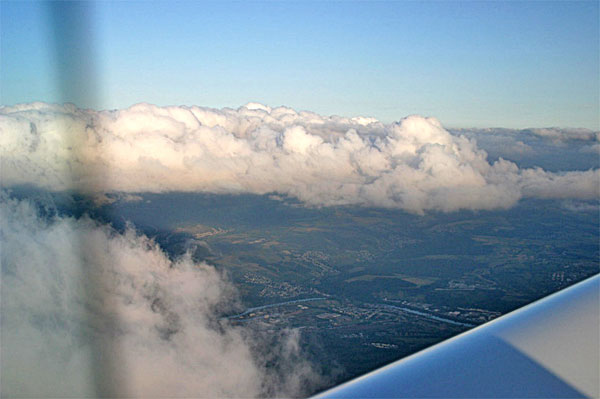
<point>273,305</point>
<point>429,316</point>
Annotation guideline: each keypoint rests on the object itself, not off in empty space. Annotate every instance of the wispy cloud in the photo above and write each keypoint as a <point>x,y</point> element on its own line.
<point>87,311</point>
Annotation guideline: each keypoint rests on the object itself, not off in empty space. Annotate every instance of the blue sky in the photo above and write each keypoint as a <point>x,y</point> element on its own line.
<point>481,64</point>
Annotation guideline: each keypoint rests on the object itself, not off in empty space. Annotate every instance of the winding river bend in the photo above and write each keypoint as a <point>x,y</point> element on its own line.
<point>407,310</point>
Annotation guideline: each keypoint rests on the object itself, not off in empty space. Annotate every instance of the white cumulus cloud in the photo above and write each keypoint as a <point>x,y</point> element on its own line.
<point>414,164</point>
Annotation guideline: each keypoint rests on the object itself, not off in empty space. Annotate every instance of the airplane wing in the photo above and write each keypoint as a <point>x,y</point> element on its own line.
<point>547,349</point>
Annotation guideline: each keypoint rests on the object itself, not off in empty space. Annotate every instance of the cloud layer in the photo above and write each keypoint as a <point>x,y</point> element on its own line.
<point>415,164</point>
<point>88,312</point>
<point>553,149</point>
